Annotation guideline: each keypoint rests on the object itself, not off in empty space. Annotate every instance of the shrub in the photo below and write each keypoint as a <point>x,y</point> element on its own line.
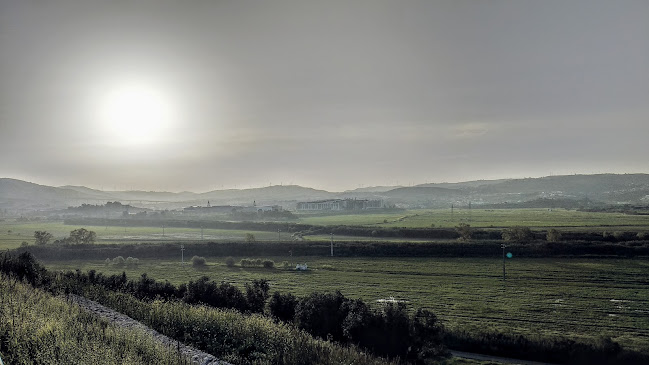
<point>553,235</point>
<point>286,265</point>
<point>24,244</point>
<point>198,261</point>
<point>229,261</point>
<point>268,264</point>
<point>107,261</point>
<point>119,261</point>
<point>245,263</point>
<point>132,261</point>
<point>465,231</point>
<point>250,238</point>
<point>517,234</point>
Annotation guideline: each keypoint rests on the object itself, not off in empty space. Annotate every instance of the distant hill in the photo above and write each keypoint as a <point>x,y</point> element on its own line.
<point>22,195</point>
<point>266,195</point>
<point>371,189</point>
<point>566,191</point>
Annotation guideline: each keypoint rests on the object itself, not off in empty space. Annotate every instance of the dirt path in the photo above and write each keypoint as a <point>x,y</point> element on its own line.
<point>197,357</point>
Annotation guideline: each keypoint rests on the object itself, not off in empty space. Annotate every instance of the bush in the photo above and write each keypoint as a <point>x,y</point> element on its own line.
<point>268,264</point>
<point>517,234</point>
<point>119,261</point>
<point>229,261</point>
<point>553,235</point>
<point>132,261</point>
<point>199,261</point>
<point>24,244</point>
<point>107,261</point>
<point>282,306</point>
<point>286,265</point>
<point>250,238</point>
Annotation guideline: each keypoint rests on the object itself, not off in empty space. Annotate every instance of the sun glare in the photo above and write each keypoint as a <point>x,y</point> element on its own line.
<point>136,113</point>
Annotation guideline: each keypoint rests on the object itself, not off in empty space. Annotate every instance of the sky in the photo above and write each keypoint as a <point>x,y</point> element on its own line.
<point>204,95</point>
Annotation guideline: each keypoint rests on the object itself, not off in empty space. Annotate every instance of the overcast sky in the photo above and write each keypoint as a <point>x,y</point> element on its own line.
<point>327,94</point>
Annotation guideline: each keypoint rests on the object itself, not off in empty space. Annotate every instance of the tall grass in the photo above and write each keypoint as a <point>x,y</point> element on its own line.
<point>38,328</point>
<point>232,336</point>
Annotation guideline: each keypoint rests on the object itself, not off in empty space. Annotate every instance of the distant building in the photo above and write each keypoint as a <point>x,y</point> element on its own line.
<point>263,208</point>
<point>340,204</point>
<point>212,209</point>
<point>221,209</point>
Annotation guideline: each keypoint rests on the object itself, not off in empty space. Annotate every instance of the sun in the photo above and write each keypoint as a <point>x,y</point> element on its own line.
<point>136,113</point>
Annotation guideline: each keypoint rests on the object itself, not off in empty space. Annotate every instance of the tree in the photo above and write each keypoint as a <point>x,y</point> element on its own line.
<point>553,235</point>
<point>464,230</point>
<point>517,234</point>
<point>257,294</point>
<point>282,306</point>
<point>229,261</point>
<point>42,237</point>
<point>82,236</point>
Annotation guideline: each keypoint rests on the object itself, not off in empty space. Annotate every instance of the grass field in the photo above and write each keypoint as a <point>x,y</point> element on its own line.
<point>486,218</point>
<point>576,298</point>
<point>12,234</point>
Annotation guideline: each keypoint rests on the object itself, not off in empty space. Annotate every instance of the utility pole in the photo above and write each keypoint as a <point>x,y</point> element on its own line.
<point>503,247</point>
<point>182,254</point>
<point>332,244</point>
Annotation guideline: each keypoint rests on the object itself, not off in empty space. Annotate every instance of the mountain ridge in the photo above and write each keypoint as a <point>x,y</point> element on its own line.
<point>601,188</point>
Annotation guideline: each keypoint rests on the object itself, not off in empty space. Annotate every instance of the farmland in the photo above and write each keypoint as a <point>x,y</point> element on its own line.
<point>486,218</point>
<point>575,298</point>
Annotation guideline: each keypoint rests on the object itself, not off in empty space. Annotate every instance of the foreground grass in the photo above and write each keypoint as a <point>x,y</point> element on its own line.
<point>37,328</point>
<point>575,298</point>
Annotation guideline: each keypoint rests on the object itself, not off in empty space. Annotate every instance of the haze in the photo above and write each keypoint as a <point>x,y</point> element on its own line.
<point>200,95</point>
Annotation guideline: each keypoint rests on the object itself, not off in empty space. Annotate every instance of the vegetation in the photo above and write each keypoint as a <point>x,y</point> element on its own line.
<point>82,236</point>
<point>42,237</point>
<point>553,235</point>
<point>199,261</point>
<point>226,334</point>
<point>517,234</point>
<point>570,298</point>
<point>38,328</point>
<point>464,231</point>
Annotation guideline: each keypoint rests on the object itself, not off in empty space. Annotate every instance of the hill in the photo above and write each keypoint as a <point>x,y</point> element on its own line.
<point>18,196</point>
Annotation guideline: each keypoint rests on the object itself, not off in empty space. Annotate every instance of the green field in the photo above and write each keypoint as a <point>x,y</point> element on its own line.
<point>576,298</point>
<point>12,234</point>
<point>486,218</point>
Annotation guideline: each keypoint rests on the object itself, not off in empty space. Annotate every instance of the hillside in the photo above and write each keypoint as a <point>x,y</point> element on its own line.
<point>18,196</point>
